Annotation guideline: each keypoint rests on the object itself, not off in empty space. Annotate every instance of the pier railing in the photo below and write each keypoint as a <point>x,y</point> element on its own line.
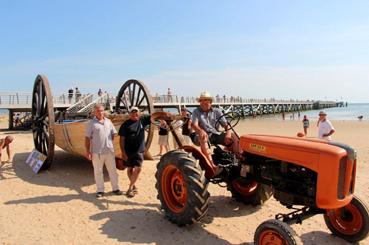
<point>169,99</point>
<point>24,99</point>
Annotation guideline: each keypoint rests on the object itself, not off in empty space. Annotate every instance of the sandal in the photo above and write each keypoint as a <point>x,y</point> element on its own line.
<point>130,193</point>
<point>135,189</point>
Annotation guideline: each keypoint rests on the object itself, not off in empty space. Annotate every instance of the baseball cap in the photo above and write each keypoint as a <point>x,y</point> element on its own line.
<point>134,108</point>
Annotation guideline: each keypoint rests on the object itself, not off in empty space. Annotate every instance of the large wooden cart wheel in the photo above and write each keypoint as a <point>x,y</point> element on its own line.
<point>43,119</point>
<point>135,93</point>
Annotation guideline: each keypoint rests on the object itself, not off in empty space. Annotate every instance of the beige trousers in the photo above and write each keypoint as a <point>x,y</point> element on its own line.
<point>98,161</point>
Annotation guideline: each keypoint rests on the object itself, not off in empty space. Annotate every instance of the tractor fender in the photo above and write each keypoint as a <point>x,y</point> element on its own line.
<point>209,167</point>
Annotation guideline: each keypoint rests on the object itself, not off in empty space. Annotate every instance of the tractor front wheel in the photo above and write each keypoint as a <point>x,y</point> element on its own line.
<point>250,192</point>
<point>182,188</point>
<point>273,232</point>
<point>350,222</point>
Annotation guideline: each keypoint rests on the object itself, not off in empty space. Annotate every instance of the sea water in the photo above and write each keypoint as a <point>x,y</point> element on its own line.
<point>3,112</point>
<point>351,112</point>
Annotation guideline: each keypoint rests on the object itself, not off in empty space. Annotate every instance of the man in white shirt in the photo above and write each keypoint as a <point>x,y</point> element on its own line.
<point>325,127</point>
<point>100,134</point>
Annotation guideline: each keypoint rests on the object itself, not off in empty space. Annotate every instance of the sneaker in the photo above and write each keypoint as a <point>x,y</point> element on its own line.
<point>99,194</point>
<point>117,192</point>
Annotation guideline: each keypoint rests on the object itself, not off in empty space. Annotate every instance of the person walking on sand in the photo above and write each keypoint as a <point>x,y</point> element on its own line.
<point>5,144</point>
<point>163,137</point>
<point>132,144</point>
<point>305,124</point>
<point>326,128</point>
<point>100,149</point>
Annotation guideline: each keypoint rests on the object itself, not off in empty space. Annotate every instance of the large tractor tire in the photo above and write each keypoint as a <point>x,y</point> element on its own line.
<point>273,232</point>
<point>250,192</point>
<point>350,222</point>
<point>182,188</point>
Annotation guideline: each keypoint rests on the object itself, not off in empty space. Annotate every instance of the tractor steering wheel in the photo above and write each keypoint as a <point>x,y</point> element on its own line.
<point>232,120</point>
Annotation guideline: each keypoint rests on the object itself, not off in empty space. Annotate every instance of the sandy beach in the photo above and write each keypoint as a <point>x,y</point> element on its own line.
<point>59,206</point>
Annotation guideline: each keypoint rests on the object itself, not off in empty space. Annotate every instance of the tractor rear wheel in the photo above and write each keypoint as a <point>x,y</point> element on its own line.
<point>182,188</point>
<point>273,232</point>
<point>350,222</point>
<point>250,192</point>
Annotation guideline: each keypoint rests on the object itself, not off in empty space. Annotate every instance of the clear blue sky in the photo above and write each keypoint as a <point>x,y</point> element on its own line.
<point>260,49</point>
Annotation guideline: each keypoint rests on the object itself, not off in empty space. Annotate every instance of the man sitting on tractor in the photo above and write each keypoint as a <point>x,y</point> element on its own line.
<point>205,121</point>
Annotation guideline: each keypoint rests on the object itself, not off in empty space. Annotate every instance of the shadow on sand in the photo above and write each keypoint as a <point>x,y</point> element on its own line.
<point>148,226</point>
<point>146,221</point>
<point>67,171</point>
<point>320,237</point>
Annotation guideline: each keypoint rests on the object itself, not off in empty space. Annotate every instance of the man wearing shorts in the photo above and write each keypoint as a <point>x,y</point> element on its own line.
<point>132,145</point>
<point>204,120</point>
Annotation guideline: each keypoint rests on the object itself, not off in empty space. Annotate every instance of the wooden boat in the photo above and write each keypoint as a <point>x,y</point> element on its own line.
<point>69,135</point>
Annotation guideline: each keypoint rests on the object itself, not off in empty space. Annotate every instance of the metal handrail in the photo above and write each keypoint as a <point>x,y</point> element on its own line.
<point>85,100</point>
<point>103,99</point>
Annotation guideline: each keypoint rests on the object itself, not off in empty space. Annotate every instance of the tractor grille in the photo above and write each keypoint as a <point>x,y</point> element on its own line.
<point>341,178</point>
<point>346,177</point>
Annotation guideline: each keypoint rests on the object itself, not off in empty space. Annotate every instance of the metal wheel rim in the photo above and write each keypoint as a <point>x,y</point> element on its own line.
<point>174,189</point>
<point>346,220</point>
<point>43,118</point>
<point>135,93</point>
<point>244,189</point>
<point>271,237</point>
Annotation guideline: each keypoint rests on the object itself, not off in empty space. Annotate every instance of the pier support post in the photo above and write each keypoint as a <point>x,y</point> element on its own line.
<point>11,119</point>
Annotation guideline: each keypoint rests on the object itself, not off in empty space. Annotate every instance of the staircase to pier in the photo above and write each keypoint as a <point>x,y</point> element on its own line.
<point>85,106</point>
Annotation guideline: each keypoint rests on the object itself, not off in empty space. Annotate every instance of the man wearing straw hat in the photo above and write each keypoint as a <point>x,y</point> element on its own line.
<point>325,127</point>
<point>204,120</point>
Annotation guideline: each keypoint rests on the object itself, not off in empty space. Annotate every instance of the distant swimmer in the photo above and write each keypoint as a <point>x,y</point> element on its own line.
<point>360,117</point>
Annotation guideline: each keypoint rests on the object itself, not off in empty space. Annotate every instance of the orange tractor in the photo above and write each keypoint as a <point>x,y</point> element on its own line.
<point>306,175</point>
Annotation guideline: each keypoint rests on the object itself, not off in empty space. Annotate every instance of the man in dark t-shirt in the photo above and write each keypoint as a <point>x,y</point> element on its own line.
<point>132,144</point>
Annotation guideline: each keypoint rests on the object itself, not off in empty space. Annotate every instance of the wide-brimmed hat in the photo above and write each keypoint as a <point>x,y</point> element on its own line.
<point>205,96</point>
<point>322,113</point>
<point>134,108</point>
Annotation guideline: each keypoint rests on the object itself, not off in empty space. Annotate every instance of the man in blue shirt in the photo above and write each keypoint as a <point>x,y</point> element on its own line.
<point>204,120</point>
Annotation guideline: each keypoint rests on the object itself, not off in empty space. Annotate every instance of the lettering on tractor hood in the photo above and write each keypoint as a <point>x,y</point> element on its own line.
<point>258,148</point>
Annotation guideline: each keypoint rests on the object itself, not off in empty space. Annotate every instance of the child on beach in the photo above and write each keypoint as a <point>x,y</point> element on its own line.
<point>163,137</point>
<point>305,124</point>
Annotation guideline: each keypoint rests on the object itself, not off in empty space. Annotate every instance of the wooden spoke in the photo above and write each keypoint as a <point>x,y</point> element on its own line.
<point>135,93</point>
<point>138,96</point>
<point>43,119</point>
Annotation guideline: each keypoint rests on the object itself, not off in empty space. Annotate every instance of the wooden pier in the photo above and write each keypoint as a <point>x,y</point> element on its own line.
<point>21,103</point>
